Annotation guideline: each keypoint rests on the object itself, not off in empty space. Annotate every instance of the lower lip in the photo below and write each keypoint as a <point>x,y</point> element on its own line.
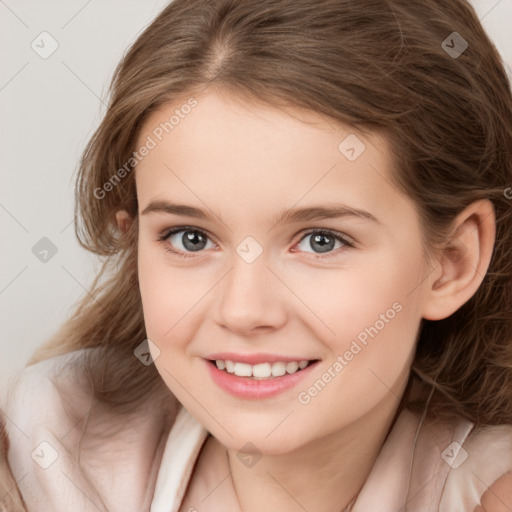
<point>244,387</point>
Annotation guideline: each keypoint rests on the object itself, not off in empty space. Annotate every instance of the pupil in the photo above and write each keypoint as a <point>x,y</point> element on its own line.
<point>193,240</point>
<point>326,243</point>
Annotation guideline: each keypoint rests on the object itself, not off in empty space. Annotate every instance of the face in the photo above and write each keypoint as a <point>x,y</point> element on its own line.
<point>256,265</point>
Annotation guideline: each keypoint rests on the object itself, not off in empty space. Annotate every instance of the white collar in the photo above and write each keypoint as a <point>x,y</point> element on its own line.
<point>185,440</point>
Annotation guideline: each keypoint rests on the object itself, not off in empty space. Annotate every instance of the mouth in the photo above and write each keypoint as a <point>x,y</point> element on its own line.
<point>262,371</point>
<point>260,381</point>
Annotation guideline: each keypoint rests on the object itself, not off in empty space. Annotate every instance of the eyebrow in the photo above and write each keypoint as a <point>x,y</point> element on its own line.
<point>293,215</point>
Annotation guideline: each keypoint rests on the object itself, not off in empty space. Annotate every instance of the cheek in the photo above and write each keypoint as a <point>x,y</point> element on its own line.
<point>170,296</point>
<point>343,302</point>
<point>385,316</point>
<point>375,321</point>
<point>375,318</point>
<point>161,295</point>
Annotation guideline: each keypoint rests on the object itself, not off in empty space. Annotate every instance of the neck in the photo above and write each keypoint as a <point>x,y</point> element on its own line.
<point>325,474</point>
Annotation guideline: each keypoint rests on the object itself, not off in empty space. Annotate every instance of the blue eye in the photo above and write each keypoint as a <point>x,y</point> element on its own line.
<point>323,241</point>
<point>183,241</point>
<point>191,240</point>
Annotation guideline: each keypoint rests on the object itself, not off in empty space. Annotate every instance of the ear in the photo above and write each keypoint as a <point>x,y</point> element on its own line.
<point>123,220</point>
<point>463,261</point>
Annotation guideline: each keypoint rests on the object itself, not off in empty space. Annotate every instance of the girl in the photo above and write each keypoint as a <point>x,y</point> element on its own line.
<point>304,210</point>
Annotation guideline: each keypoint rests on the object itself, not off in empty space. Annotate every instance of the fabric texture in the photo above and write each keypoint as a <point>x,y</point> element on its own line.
<point>139,464</point>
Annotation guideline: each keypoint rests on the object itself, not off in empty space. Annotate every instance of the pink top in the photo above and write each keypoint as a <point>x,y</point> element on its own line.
<point>423,466</point>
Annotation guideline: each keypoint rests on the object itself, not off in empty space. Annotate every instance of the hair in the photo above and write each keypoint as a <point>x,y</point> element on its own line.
<point>376,65</point>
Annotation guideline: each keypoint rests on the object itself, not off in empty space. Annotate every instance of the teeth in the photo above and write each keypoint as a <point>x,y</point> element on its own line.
<point>261,370</point>
<point>243,370</point>
<point>278,369</point>
<point>292,367</point>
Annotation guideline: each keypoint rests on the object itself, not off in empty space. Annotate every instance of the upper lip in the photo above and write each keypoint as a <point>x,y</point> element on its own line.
<point>254,358</point>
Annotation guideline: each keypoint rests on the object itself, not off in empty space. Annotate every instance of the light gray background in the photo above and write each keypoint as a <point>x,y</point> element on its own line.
<point>49,109</point>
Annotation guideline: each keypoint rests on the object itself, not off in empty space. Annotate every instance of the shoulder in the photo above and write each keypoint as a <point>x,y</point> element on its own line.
<point>498,496</point>
<point>35,398</point>
<point>68,451</point>
<point>36,423</point>
<point>481,476</point>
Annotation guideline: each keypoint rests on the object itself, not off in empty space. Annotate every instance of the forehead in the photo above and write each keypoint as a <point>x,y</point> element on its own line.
<point>252,156</point>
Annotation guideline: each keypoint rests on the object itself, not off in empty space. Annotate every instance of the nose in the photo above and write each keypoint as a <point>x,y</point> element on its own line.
<point>252,298</point>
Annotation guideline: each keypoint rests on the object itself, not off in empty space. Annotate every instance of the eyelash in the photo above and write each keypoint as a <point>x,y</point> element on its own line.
<point>163,238</point>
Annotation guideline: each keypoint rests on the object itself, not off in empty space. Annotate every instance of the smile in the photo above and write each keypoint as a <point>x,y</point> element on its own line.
<point>258,381</point>
<point>262,370</point>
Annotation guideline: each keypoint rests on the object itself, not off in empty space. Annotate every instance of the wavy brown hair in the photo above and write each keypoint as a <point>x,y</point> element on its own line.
<point>374,65</point>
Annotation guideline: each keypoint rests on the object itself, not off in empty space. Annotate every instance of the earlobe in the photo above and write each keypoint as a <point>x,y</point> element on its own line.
<point>463,261</point>
<point>123,220</point>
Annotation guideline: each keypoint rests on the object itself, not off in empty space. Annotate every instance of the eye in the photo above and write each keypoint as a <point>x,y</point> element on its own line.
<point>183,240</point>
<point>323,241</point>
